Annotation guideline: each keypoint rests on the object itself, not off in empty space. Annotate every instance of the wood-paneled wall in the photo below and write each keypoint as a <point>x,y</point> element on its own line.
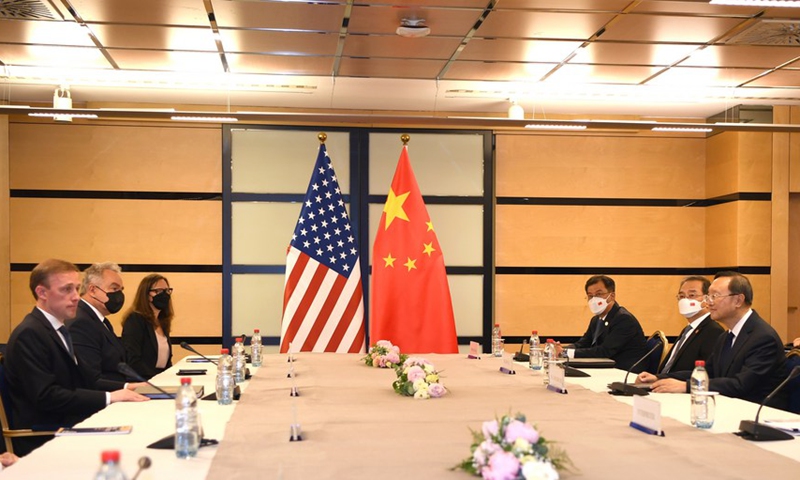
<point>5,272</point>
<point>144,196</point>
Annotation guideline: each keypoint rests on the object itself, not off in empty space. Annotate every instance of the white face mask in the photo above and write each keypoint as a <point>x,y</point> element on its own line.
<point>689,307</point>
<point>598,304</point>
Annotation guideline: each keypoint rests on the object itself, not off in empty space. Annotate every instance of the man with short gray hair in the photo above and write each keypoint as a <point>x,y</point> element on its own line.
<point>93,337</point>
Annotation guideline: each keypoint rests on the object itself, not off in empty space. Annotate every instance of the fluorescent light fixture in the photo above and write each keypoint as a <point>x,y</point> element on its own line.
<point>549,126</point>
<point>683,129</point>
<point>63,115</point>
<point>186,118</point>
<point>757,3</point>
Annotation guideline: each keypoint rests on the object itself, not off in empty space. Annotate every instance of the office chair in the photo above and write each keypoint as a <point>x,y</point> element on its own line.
<point>5,417</point>
<point>659,353</point>
<point>792,360</point>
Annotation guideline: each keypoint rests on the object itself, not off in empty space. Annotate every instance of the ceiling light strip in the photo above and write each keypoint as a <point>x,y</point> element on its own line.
<point>63,114</point>
<point>186,118</point>
<point>757,3</point>
<point>683,129</point>
<point>550,126</point>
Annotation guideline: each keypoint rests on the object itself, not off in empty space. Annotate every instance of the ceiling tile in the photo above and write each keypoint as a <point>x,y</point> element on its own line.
<point>152,12</point>
<point>706,77</point>
<point>390,68</point>
<point>44,33</point>
<point>784,77</point>
<point>284,43</point>
<point>409,4</point>
<point>46,56</point>
<point>519,72</point>
<point>701,7</point>
<point>167,61</point>
<point>316,17</point>
<point>386,19</point>
<point>741,56</point>
<point>399,47</point>
<point>567,26</point>
<point>602,74</point>
<point>633,53</point>
<point>159,38</point>
<point>681,29</point>
<point>518,50</point>
<point>592,5</point>
<point>280,64</point>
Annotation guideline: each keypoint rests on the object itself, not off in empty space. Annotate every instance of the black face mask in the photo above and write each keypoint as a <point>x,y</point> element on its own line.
<point>161,301</point>
<point>115,301</point>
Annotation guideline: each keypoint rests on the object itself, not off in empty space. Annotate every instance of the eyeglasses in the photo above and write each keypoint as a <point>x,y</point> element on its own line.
<point>113,291</point>
<point>715,296</point>
<point>161,290</point>
<point>597,295</point>
<point>691,296</point>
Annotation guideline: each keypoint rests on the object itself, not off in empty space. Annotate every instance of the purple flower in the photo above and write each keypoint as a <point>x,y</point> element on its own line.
<point>393,357</point>
<point>489,429</point>
<point>436,390</point>
<point>517,429</point>
<point>486,449</point>
<point>502,466</point>
<point>415,373</point>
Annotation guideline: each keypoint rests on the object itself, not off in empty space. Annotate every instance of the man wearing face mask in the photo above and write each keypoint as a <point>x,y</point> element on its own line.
<point>93,337</point>
<point>613,331</point>
<point>696,341</point>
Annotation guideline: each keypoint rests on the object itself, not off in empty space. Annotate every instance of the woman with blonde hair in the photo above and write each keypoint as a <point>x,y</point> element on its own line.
<point>146,327</point>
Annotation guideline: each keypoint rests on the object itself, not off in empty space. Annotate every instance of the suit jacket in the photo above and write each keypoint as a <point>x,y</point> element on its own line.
<point>141,345</point>
<point>698,346</point>
<point>99,350</point>
<point>622,339</point>
<point>757,365</point>
<point>45,384</point>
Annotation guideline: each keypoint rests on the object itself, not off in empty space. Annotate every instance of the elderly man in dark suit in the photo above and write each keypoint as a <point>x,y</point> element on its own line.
<point>613,331</point>
<point>697,340</point>
<point>96,345</point>
<point>748,362</point>
<point>46,381</point>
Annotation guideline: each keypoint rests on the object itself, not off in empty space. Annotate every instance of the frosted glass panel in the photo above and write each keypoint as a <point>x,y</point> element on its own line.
<point>257,301</point>
<point>280,161</point>
<point>467,294</point>
<point>444,164</point>
<point>458,227</point>
<point>261,231</point>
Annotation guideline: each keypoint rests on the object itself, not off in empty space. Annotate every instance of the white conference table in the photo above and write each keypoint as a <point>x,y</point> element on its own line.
<point>79,457</point>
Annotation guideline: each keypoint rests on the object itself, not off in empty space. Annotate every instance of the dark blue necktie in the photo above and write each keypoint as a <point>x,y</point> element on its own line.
<point>597,330</point>
<point>108,325</point>
<point>724,357</point>
<point>678,344</point>
<point>68,339</point>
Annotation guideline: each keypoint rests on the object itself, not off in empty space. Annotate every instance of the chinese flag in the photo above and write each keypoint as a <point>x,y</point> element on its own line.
<point>411,304</point>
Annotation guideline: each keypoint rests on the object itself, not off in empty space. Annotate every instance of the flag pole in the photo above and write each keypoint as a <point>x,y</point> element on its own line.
<point>405,138</point>
<point>322,137</point>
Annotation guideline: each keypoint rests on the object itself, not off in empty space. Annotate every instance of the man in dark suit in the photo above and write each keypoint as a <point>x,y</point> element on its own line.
<point>96,344</point>
<point>748,362</point>
<point>697,340</point>
<point>613,331</point>
<point>46,382</point>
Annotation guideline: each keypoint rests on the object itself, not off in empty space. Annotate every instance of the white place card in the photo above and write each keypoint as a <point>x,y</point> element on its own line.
<point>555,377</point>
<point>474,350</point>
<point>647,415</point>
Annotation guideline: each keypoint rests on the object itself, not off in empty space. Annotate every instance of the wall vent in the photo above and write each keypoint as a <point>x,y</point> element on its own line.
<point>769,32</point>
<point>27,10</point>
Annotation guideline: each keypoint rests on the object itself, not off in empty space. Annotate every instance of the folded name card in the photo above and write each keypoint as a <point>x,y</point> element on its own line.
<point>474,351</point>
<point>647,415</point>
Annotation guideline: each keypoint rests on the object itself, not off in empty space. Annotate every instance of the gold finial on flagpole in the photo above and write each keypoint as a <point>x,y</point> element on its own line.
<point>322,137</point>
<point>405,138</point>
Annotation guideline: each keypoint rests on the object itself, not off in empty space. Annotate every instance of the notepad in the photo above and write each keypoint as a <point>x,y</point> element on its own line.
<point>119,430</point>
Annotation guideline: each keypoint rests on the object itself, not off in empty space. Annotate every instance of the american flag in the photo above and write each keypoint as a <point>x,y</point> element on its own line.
<point>323,305</point>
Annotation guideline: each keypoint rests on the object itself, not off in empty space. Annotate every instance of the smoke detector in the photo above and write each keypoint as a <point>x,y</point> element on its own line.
<point>413,28</point>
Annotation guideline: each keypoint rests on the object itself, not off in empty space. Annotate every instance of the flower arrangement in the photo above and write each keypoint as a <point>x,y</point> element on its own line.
<point>384,355</point>
<point>418,378</point>
<point>510,449</point>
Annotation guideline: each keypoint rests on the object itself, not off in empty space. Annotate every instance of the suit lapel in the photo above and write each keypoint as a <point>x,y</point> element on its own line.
<point>53,335</point>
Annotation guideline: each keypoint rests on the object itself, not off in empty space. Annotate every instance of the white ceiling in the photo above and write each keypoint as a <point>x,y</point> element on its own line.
<point>577,57</point>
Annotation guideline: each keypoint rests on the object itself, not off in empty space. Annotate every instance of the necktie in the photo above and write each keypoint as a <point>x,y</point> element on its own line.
<point>108,325</point>
<point>597,329</point>
<point>68,339</point>
<point>724,357</point>
<point>676,349</point>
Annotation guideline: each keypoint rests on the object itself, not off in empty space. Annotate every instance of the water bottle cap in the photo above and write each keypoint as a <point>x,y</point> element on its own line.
<point>224,351</point>
<point>496,324</point>
<point>700,363</point>
<point>550,340</point>
<point>238,339</point>
<point>534,332</point>
<point>186,381</point>
<point>110,456</point>
<point>255,330</point>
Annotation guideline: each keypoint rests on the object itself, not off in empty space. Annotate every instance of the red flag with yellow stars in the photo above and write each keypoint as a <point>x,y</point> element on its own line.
<point>411,304</point>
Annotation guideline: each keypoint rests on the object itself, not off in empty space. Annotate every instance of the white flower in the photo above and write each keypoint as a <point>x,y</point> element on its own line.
<point>539,470</point>
<point>428,368</point>
<point>420,384</point>
<point>521,445</point>
<point>422,394</point>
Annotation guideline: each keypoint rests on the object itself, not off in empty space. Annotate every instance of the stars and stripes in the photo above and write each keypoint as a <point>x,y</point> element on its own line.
<point>323,307</point>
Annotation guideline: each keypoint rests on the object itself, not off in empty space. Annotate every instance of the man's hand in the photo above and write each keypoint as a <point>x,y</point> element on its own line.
<point>645,377</point>
<point>134,386</point>
<point>796,342</point>
<point>669,385</point>
<point>125,395</point>
<point>559,349</point>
